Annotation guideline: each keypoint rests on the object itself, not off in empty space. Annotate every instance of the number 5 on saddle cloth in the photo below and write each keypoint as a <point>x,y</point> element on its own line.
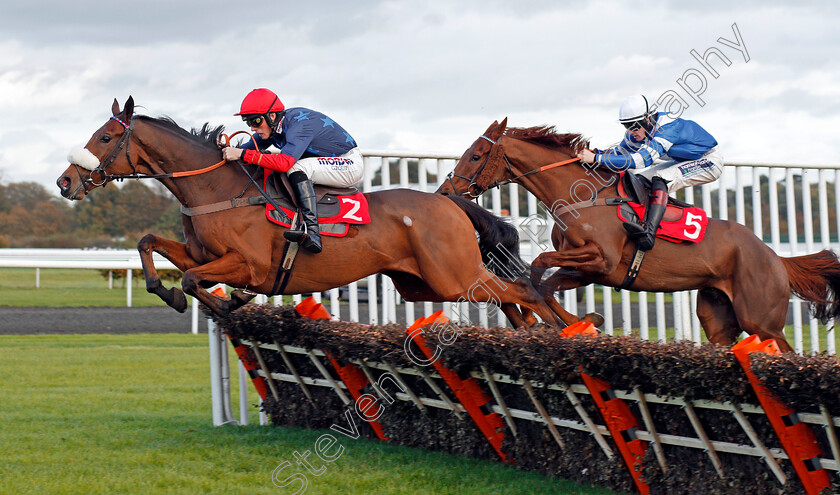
<point>682,222</point>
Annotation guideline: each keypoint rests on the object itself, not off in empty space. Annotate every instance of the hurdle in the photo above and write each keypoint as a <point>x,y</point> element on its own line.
<point>596,403</point>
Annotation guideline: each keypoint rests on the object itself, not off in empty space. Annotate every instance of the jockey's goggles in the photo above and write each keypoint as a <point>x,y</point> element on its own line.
<point>253,120</point>
<point>633,126</point>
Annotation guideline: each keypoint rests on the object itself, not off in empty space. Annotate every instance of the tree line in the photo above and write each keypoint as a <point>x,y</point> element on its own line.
<point>115,216</point>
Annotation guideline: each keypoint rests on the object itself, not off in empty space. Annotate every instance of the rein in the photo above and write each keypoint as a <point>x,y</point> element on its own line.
<point>224,140</point>
<point>513,178</point>
<point>125,142</point>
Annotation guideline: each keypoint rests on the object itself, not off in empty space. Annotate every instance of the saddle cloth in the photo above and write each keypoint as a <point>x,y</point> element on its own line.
<point>337,207</point>
<point>682,222</point>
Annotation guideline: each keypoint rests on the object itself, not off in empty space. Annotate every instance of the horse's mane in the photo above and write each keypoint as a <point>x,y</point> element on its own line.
<point>207,135</point>
<point>548,137</point>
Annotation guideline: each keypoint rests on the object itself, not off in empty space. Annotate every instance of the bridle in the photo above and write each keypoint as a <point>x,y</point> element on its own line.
<point>125,142</point>
<point>474,190</point>
<point>473,186</point>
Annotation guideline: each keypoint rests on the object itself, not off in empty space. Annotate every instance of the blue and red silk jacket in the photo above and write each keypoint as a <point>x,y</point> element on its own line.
<point>303,133</point>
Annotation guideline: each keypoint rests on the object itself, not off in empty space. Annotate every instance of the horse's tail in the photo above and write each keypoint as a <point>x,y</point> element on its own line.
<point>816,279</point>
<point>497,240</point>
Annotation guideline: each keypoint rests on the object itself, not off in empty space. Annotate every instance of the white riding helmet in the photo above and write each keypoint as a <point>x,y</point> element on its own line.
<point>634,108</point>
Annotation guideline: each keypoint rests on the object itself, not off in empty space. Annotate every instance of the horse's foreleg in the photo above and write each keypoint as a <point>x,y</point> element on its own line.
<point>230,269</point>
<point>518,318</point>
<point>561,281</point>
<point>588,258</point>
<point>174,251</point>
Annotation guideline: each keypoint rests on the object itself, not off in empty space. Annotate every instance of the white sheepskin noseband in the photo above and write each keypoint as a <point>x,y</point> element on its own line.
<point>83,158</point>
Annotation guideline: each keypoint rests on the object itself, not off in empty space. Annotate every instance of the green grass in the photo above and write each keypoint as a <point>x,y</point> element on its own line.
<point>62,287</point>
<point>131,414</point>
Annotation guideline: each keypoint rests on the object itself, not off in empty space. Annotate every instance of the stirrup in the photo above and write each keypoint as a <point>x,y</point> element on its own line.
<point>294,235</point>
<point>634,229</point>
<point>306,241</point>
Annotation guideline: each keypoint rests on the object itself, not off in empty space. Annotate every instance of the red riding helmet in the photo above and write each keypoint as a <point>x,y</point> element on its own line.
<point>260,102</point>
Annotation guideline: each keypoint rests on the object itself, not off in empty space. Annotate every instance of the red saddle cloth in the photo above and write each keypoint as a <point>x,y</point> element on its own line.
<point>335,212</point>
<point>680,223</point>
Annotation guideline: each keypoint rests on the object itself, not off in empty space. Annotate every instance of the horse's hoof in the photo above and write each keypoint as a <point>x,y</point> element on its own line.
<point>239,298</point>
<point>531,320</point>
<point>179,300</point>
<point>594,318</point>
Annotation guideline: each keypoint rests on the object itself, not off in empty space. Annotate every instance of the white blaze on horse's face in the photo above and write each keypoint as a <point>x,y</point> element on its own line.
<point>83,158</point>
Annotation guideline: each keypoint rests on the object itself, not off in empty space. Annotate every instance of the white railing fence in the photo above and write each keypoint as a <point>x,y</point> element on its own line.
<point>755,195</point>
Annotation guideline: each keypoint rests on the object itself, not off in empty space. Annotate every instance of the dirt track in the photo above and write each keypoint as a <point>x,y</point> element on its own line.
<point>116,320</point>
<point>19,321</point>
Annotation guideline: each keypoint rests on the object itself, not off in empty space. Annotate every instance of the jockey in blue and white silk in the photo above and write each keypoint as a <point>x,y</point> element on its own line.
<point>679,151</point>
<point>672,154</point>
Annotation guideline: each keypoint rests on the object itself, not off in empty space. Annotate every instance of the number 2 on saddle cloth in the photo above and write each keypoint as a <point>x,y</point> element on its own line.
<point>680,223</point>
<point>337,207</point>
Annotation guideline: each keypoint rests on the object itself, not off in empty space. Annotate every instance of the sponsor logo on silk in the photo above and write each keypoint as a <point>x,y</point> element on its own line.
<point>334,161</point>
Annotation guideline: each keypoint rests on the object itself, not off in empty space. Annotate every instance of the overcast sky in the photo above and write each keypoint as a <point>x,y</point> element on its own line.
<point>424,76</point>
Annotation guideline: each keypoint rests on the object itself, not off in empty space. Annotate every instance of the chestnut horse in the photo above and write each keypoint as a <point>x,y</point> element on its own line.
<point>426,243</point>
<point>743,285</point>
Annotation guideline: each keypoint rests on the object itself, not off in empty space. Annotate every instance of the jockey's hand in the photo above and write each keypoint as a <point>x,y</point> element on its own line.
<point>586,156</point>
<point>232,154</point>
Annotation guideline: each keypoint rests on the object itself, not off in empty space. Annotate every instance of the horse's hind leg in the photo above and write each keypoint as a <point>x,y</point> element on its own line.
<point>764,317</point>
<point>717,316</point>
<point>174,251</point>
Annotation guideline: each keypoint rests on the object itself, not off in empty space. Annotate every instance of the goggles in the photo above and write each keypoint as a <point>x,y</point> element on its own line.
<point>633,126</point>
<point>253,120</point>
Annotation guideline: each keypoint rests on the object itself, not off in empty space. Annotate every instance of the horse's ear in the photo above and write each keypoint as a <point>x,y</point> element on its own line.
<point>115,108</point>
<point>129,108</point>
<point>497,129</point>
<point>491,128</point>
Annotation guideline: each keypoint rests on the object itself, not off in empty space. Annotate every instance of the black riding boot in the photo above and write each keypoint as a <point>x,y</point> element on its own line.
<point>645,233</point>
<point>310,237</point>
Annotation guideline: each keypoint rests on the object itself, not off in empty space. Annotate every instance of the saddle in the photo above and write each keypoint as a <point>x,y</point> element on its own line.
<point>337,207</point>
<point>683,222</point>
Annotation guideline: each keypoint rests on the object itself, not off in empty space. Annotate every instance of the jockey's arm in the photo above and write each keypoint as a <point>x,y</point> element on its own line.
<point>279,162</point>
<point>622,157</point>
<point>299,136</point>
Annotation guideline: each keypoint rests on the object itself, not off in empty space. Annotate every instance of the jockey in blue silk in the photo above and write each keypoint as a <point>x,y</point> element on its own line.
<point>308,146</point>
<point>672,154</point>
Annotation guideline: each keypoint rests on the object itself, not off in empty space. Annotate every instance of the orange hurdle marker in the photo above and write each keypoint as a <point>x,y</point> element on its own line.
<point>617,415</point>
<point>468,392</point>
<point>353,377</point>
<point>797,438</point>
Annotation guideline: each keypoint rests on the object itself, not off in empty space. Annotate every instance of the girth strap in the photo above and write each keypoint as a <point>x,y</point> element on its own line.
<point>223,205</point>
<point>586,204</point>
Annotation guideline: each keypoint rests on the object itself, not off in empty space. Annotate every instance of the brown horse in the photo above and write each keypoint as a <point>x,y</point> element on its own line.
<point>426,243</point>
<point>743,285</point>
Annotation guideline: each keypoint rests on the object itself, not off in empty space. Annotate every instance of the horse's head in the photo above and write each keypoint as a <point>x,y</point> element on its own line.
<point>105,155</point>
<point>530,150</point>
<point>480,167</point>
